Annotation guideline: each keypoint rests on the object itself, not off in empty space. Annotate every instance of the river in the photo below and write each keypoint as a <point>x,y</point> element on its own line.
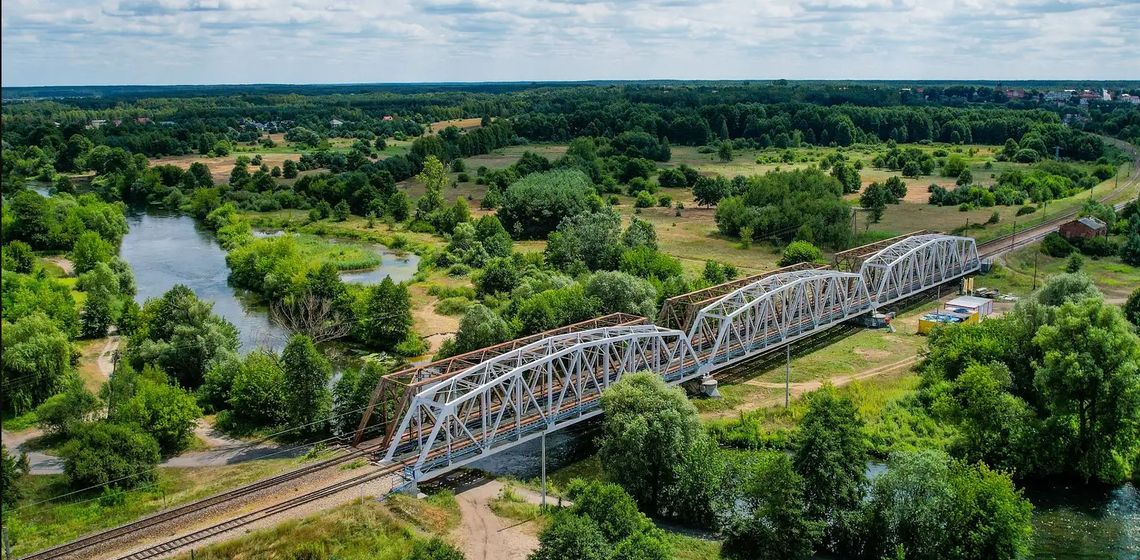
<point>165,249</point>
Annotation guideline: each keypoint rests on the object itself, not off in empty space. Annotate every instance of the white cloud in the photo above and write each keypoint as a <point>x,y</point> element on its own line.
<point>210,41</point>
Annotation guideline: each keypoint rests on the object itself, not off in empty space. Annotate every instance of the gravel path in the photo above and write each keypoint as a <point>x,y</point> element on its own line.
<point>486,536</point>
<point>38,461</point>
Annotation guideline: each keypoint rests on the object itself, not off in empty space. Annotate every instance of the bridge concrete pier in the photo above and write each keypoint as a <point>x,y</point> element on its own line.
<point>709,388</point>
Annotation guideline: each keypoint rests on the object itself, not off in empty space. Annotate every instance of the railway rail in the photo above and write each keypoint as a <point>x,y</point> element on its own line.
<point>167,547</point>
<point>77,547</point>
<point>1005,243</point>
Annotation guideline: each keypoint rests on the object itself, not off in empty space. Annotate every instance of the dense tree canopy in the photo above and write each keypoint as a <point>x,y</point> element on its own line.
<point>180,333</point>
<point>533,206</point>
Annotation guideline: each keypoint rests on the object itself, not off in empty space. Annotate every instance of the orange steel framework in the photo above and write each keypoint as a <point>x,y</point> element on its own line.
<point>454,411</point>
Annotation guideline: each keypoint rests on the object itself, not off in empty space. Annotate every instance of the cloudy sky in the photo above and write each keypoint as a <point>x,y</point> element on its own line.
<point>56,42</point>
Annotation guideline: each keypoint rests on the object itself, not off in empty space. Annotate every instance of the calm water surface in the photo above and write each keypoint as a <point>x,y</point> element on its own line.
<point>165,249</point>
<point>1069,523</point>
<point>168,249</point>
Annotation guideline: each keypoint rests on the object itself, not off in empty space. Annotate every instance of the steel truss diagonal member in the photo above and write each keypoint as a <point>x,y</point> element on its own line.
<point>916,264</point>
<point>535,389</point>
<point>773,311</point>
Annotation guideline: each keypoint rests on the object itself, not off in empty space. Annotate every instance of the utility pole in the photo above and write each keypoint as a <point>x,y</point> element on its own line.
<point>787,374</point>
<point>1035,269</point>
<point>1014,238</point>
<point>544,470</point>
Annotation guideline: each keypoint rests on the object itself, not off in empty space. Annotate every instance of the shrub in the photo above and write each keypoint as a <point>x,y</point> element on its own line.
<point>452,306</point>
<point>1097,247</point>
<point>994,218</point>
<point>644,200</point>
<point>166,412</point>
<point>64,412</point>
<point>800,251</point>
<point>104,454</point>
<point>533,206</point>
<point>412,345</point>
<point>1026,210</point>
<point>1056,246</point>
<point>1075,263</point>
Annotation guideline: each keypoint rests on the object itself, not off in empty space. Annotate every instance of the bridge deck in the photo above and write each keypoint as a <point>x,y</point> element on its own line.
<point>458,410</point>
<point>390,393</point>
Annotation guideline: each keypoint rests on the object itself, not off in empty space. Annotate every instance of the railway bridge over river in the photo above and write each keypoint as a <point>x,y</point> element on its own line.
<point>445,414</point>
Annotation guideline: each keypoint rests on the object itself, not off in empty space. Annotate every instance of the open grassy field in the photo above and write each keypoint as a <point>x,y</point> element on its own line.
<point>33,526</point>
<point>693,237</point>
<point>1014,274</point>
<point>840,356</point>
<point>461,124</point>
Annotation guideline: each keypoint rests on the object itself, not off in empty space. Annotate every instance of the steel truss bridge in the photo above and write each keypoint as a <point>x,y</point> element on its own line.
<point>446,414</point>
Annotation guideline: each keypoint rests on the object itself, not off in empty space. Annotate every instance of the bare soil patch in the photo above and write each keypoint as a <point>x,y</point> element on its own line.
<point>486,536</point>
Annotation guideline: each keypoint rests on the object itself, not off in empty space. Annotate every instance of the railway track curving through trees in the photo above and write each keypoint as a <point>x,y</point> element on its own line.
<point>1003,244</point>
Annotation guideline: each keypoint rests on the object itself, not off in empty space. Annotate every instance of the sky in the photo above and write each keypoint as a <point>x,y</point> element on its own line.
<point>77,42</point>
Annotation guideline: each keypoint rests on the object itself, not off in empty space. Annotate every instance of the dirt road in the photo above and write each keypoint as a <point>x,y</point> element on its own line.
<point>486,536</point>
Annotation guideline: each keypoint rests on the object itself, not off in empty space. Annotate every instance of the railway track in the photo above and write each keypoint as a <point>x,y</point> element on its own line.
<point>1000,245</point>
<point>200,535</point>
<point>85,544</point>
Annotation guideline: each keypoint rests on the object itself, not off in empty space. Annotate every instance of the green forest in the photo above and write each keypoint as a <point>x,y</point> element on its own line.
<point>532,207</point>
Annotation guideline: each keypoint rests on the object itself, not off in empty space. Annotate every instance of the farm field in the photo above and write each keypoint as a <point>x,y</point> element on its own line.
<point>220,166</point>
<point>693,237</point>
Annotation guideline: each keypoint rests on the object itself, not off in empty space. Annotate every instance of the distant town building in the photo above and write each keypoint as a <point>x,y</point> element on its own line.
<point>97,123</point>
<point>387,117</point>
<point>1087,227</point>
<point>142,120</point>
<point>1015,93</point>
<point>336,122</point>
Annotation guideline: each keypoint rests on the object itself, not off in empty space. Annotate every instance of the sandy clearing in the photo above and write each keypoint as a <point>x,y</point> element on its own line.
<point>220,167</point>
<point>486,536</point>
<point>63,263</point>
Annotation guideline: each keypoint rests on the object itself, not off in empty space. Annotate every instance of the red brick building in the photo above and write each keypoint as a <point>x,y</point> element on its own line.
<point>1084,228</point>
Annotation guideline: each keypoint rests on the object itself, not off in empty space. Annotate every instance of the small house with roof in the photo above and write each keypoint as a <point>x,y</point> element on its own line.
<point>1087,227</point>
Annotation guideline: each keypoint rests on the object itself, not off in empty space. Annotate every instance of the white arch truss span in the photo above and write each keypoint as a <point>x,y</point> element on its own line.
<point>540,387</point>
<point>773,311</point>
<point>499,400</point>
<point>917,263</point>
